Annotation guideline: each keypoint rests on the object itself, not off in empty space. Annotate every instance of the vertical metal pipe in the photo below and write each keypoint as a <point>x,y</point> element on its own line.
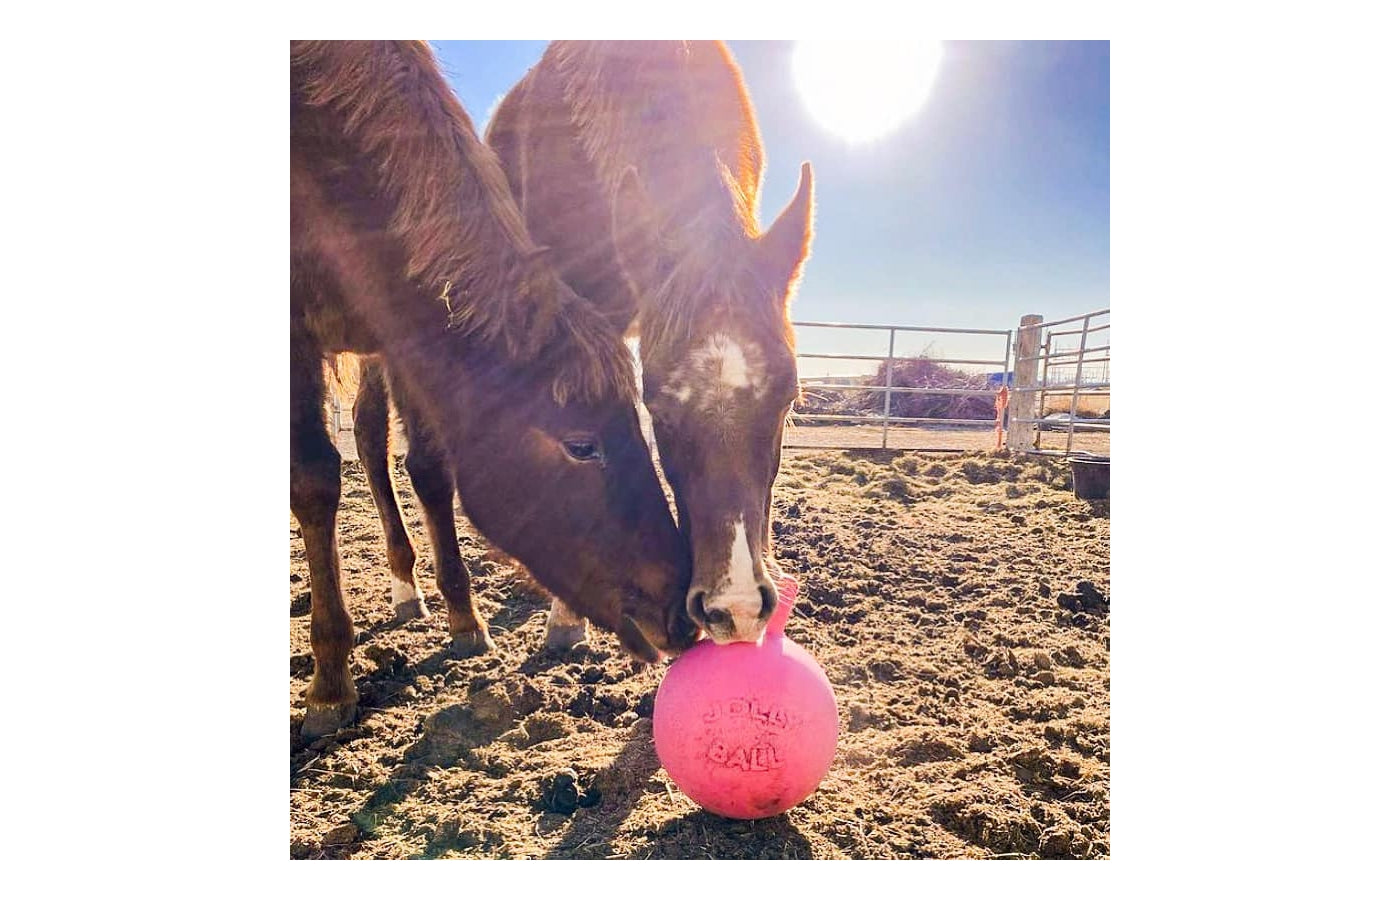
<point>1078,377</point>
<point>1006,364</point>
<point>1006,383</point>
<point>889,383</point>
<point>1044,383</point>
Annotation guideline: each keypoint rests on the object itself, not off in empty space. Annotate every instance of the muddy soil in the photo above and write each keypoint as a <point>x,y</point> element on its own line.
<point>960,607</point>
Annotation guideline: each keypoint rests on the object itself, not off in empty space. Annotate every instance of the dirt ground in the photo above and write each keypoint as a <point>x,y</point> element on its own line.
<point>958,603</point>
<point>908,437</point>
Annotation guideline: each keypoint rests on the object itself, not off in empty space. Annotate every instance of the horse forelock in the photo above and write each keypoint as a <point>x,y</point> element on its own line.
<point>678,113</point>
<point>598,366</point>
<point>450,209</point>
<point>711,287</point>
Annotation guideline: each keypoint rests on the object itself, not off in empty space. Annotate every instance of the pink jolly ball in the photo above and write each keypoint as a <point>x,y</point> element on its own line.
<point>747,730</point>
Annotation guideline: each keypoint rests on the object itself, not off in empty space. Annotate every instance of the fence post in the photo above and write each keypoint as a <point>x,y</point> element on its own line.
<point>1023,382</point>
<point>889,383</point>
<point>335,414</point>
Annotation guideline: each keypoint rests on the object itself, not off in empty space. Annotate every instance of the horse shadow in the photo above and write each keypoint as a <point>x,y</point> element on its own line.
<point>704,835</point>
<point>450,734</point>
<point>592,833</point>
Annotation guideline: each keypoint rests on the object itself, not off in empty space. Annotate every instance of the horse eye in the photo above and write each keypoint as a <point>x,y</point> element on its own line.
<point>583,449</point>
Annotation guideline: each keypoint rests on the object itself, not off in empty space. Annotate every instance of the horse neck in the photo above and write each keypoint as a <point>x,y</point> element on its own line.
<point>344,270</point>
<point>438,192</point>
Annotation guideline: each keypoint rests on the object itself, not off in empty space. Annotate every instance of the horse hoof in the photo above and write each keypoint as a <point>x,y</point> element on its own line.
<point>323,720</point>
<point>472,643</point>
<point>562,638</point>
<point>409,610</point>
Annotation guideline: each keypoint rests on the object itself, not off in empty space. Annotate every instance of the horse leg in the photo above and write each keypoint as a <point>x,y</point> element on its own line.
<point>432,482</point>
<point>331,699</point>
<point>372,441</point>
<point>564,628</point>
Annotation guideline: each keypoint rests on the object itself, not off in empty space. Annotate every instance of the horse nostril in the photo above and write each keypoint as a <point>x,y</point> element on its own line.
<point>719,619</point>
<point>767,600</point>
<point>695,606</point>
<point>684,631</point>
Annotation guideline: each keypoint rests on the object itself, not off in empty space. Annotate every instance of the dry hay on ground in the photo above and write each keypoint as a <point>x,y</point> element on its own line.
<point>958,603</point>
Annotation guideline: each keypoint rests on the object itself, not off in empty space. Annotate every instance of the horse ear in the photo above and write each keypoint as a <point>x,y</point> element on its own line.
<point>787,243</point>
<point>632,233</point>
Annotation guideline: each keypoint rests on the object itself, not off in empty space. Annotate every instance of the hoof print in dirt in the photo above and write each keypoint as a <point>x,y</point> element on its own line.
<point>1034,765</point>
<point>500,703</point>
<point>389,660</point>
<point>862,717</point>
<point>453,730</point>
<point>980,743</point>
<point>562,793</point>
<point>348,833</point>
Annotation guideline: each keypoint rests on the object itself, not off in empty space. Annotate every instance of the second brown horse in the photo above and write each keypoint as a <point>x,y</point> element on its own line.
<point>406,243</point>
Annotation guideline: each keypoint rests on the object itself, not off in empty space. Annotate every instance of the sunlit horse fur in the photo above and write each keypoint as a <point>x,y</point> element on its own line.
<point>638,165</point>
<point>406,243</point>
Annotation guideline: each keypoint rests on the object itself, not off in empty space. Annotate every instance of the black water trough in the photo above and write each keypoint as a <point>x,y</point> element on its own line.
<point>1090,476</point>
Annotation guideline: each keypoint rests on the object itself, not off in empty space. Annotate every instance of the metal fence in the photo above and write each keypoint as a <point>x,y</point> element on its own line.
<point>1060,361</point>
<point>889,359</point>
<point>1050,360</point>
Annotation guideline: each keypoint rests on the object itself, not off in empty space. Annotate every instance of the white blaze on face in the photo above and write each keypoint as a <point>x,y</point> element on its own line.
<point>737,593</point>
<point>715,371</point>
<point>733,364</point>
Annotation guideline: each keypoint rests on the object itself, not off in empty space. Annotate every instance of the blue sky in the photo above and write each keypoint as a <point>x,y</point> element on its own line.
<point>991,201</point>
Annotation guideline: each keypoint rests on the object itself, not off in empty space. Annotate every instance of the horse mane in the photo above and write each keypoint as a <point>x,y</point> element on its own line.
<point>676,112</point>
<point>451,211</point>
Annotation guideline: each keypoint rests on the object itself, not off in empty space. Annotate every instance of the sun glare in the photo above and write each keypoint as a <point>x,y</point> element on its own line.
<point>863,90</point>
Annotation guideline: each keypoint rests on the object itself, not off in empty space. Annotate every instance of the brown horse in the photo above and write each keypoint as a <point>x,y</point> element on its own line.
<point>638,165</point>
<point>405,243</point>
<point>371,418</point>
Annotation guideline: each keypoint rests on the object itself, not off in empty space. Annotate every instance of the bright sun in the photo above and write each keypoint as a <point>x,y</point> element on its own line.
<point>862,90</point>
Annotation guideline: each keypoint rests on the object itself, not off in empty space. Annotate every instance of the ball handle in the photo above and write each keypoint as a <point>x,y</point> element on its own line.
<point>787,596</point>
